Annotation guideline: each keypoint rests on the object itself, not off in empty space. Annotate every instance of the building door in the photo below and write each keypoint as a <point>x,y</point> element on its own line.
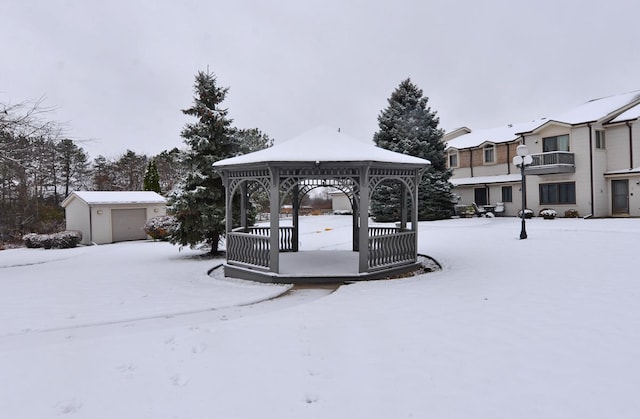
<point>480,196</point>
<point>128,224</point>
<point>620,196</point>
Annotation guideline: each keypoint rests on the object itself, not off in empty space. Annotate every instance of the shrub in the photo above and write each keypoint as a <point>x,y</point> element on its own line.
<point>61,240</point>
<point>527,213</point>
<point>160,227</point>
<point>571,213</point>
<point>66,239</point>
<point>548,213</point>
<point>31,240</point>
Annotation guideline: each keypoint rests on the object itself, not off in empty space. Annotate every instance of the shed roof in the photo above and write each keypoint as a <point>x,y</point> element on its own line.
<point>115,197</point>
<point>323,144</point>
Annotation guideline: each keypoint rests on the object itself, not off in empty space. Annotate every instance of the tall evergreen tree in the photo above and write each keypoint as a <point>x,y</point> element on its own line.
<point>199,205</point>
<point>409,126</point>
<point>130,169</point>
<point>151,180</point>
<point>73,164</point>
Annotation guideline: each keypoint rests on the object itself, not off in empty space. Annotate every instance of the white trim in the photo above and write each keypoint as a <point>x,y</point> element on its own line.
<point>481,180</point>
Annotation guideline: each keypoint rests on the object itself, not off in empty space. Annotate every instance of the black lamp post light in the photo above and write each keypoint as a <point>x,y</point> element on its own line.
<point>522,160</point>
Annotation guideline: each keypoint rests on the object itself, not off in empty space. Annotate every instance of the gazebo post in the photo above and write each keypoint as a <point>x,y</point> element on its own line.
<point>228,217</point>
<point>243,205</point>
<point>363,211</point>
<point>403,206</point>
<point>414,211</point>
<point>354,226</point>
<point>295,212</point>
<point>274,220</point>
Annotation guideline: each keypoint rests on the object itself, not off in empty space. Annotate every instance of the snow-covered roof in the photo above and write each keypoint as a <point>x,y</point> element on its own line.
<point>628,115</point>
<point>116,197</point>
<point>323,144</point>
<point>498,135</point>
<point>481,180</point>
<point>593,111</point>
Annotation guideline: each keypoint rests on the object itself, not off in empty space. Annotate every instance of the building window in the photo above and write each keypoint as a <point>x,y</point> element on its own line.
<point>557,143</point>
<point>600,140</point>
<point>507,194</point>
<point>558,193</point>
<point>489,154</point>
<point>453,159</point>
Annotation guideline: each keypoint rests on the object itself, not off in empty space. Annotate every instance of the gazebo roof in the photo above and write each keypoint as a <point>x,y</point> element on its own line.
<point>323,144</point>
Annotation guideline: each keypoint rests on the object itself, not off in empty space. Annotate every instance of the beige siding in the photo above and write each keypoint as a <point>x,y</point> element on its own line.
<point>77,218</point>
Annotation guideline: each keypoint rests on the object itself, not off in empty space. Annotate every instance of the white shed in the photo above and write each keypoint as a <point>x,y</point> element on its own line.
<point>340,203</point>
<point>112,216</point>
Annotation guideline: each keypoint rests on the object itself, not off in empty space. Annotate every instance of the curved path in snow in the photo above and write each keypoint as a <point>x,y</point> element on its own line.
<point>295,296</point>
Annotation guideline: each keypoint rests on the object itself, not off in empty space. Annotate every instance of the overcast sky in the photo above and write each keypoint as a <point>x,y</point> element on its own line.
<point>119,72</point>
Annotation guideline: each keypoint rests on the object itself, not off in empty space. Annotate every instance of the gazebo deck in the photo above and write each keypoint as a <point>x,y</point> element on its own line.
<point>316,267</point>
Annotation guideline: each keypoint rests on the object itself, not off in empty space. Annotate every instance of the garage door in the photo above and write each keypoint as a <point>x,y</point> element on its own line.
<point>128,224</point>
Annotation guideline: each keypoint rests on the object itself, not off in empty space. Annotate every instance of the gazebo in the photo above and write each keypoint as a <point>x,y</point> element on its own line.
<point>290,170</point>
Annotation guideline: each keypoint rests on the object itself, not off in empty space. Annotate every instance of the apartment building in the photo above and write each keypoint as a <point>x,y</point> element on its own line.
<point>587,159</point>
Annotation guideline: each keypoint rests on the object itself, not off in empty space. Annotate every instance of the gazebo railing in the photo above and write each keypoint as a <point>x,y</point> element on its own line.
<point>382,231</point>
<point>391,250</point>
<point>248,249</point>
<point>285,235</point>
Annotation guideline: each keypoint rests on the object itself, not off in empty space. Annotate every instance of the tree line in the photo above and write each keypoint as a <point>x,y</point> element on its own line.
<point>39,167</point>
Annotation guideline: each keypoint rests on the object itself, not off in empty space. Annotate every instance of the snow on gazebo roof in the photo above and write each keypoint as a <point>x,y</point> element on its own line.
<point>323,144</point>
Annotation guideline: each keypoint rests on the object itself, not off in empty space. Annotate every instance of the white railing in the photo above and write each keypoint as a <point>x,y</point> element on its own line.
<point>390,250</point>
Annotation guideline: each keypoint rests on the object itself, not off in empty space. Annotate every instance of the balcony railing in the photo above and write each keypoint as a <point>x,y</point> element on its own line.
<point>552,162</point>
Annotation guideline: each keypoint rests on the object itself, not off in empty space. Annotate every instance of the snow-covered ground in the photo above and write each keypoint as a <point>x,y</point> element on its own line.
<point>547,327</point>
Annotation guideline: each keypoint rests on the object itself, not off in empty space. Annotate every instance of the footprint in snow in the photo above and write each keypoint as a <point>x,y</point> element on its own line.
<point>69,407</point>
<point>199,348</point>
<point>127,368</point>
<point>179,381</point>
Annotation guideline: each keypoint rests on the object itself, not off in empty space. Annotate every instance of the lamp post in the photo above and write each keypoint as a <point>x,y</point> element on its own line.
<point>522,160</point>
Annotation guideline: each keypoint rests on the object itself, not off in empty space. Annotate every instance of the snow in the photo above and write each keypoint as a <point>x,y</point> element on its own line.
<point>547,327</point>
<point>628,115</point>
<point>497,135</point>
<point>116,197</point>
<point>597,109</point>
<point>479,180</point>
<point>591,111</point>
<point>323,144</point>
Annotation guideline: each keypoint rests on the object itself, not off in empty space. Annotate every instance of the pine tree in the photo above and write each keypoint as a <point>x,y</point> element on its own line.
<point>409,126</point>
<point>151,181</point>
<point>199,204</point>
